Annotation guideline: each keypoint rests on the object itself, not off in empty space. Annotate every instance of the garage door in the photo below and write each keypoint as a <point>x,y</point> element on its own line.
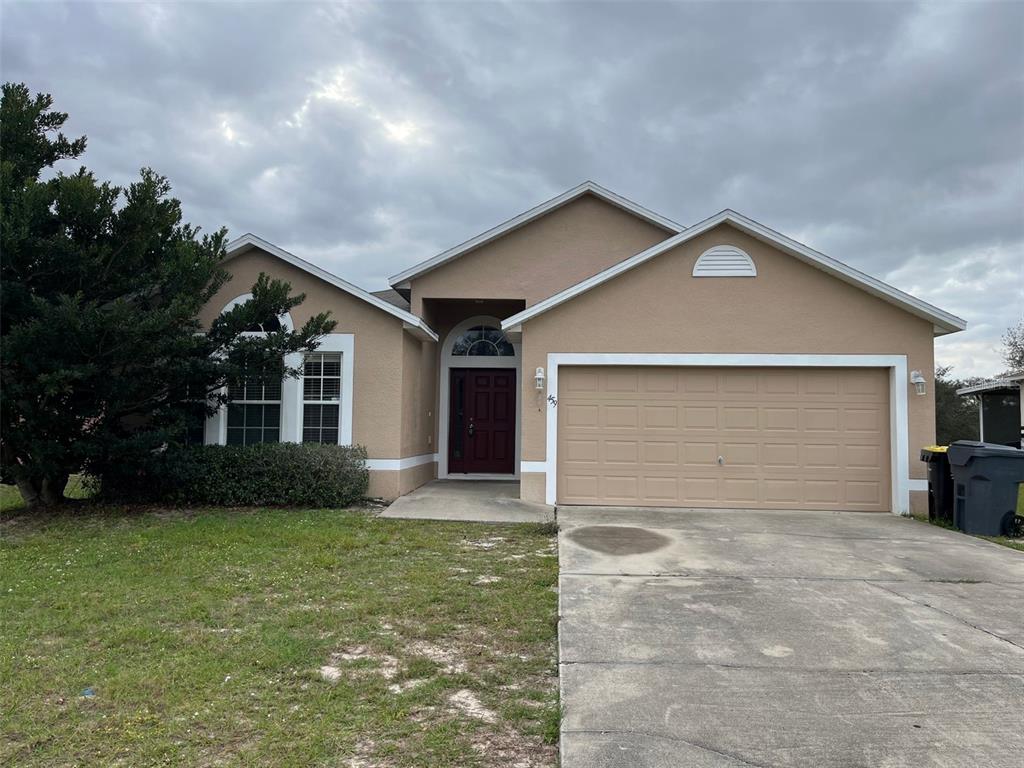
<point>810,438</point>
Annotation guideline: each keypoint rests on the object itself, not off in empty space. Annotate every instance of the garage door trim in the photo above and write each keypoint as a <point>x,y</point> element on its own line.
<point>900,481</point>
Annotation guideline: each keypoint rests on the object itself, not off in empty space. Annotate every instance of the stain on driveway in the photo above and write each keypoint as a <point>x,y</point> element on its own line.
<point>617,539</point>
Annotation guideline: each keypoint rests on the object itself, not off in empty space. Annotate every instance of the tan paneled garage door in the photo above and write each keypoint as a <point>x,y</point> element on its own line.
<point>814,438</point>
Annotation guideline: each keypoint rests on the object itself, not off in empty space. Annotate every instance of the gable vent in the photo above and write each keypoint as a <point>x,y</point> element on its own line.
<point>724,261</point>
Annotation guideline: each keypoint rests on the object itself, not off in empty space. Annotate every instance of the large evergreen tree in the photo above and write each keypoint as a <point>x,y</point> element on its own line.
<point>101,352</point>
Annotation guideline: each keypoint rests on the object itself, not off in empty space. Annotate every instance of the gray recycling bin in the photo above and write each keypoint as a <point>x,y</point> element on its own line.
<point>985,479</point>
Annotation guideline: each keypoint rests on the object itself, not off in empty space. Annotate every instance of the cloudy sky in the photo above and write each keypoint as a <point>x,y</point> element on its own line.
<point>367,137</point>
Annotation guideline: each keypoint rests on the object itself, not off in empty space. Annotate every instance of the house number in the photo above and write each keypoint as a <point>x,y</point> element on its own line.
<point>553,400</point>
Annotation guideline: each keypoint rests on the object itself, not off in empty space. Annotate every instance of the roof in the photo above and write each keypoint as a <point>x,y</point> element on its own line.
<point>410,321</point>
<point>1013,381</point>
<point>393,297</point>
<point>586,188</point>
<point>943,322</point>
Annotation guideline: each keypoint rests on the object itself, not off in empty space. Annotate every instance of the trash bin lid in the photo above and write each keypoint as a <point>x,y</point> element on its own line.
<point>963,451</point>
<point>934,453</point>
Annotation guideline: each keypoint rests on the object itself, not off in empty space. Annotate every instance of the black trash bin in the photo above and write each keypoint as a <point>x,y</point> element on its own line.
<point>985,479</point>
<point>940,483</point>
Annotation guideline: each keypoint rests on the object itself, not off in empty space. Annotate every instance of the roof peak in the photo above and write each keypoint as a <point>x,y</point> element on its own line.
<point>586,187</point>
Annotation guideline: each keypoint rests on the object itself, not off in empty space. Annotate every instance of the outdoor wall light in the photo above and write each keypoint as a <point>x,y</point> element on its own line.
<point>538,379</point>
<point>918,381</point>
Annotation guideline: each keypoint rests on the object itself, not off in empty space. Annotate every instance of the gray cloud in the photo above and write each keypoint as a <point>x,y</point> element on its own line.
<point>368,137</point>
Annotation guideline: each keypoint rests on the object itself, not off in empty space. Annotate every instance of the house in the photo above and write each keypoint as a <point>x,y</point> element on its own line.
<point>1000,409</point>
<point>602,354</point>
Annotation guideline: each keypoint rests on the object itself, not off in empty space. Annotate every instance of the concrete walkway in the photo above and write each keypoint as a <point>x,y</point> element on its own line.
<point>718,639</point>
<point>484,501</point>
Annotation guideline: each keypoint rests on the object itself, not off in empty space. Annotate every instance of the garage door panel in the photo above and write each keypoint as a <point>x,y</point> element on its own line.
<point>620,416</point>
<point>774,418</point>
<point>826,455</point>
<point>621,488</point>
<point>813,439</point>
<point>660,417</point>
<point>622,452</point>
<point>741,454</point>
<point>869,420</point>
<point>698,382</point>
<point>657,490</point>
<point>700,417</point>
<point>740,491</point>
<point>738,417</point>
<point>660,453</point>
<point>582,451</point>
<point>820,419</point>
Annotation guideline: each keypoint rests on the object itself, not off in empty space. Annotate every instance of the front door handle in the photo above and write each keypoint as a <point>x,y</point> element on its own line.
<point>471,428</point>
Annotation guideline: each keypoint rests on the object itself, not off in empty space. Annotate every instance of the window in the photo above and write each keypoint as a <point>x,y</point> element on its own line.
<point>483,340</point>
<point>271,325</point>
<point>195,424</point>
<point>321,397</point>
<point>254,411</point>
<point>193,411</point>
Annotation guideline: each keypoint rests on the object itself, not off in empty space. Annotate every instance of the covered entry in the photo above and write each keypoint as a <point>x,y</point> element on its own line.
<point>801,438</point>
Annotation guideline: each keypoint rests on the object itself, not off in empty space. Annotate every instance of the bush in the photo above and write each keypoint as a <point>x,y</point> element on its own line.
<point>278,474</point>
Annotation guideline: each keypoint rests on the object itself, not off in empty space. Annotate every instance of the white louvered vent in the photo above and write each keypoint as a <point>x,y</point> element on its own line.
<point>724,261</point>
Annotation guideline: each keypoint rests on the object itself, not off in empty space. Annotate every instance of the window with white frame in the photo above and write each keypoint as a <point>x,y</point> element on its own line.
<point>321,397</point>
<point>254,411</point>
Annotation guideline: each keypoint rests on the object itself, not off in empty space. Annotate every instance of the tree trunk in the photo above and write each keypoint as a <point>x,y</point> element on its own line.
<point>47,492</point>
<point>52,490</point>
<point>29,491</point>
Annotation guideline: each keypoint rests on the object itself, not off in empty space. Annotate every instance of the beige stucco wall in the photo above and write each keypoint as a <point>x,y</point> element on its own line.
<point>390,484</point>
<point>790,307</point>
<point>419,397</point>
<point>541,258</point>
<point>377,396</point>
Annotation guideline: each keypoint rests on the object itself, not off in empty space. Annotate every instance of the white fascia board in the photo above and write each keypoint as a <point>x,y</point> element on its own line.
<point>588,187</point>
<point>986,386</point>
<point>944,322</point>
<point>409,320</point>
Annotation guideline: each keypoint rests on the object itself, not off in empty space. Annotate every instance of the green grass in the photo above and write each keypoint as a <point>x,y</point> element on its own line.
<point>202,636</point>
<point>11,501</point>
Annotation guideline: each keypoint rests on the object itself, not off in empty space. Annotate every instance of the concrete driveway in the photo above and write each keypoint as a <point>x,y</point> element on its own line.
<point>714,639</point>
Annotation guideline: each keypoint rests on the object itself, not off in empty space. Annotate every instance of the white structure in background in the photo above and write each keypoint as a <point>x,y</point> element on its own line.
<point>1000,409</point>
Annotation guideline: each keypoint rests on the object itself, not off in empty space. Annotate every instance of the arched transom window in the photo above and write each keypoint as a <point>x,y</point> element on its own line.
<point>483,341</point>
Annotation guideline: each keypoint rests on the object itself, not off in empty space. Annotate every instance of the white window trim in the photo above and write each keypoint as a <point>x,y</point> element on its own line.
<point>449,361</point>
<point>291,395</point>
<point>901,483</point>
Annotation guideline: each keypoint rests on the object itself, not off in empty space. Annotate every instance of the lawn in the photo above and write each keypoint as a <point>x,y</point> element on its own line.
<point>276,637</point>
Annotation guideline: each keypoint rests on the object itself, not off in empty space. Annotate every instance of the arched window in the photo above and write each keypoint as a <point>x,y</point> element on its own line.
<point>482,341</point>
<point>271,325</point>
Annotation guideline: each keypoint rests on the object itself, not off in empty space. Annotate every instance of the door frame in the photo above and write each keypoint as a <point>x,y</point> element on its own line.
<point>901,483</point>
<point>448,361</point>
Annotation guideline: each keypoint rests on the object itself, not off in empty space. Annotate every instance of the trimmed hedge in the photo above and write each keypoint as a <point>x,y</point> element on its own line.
<point>271,474</point>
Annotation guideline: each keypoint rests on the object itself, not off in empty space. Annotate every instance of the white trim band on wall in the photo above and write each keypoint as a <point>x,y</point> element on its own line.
<point>898,408</point>
<point>398,464</point>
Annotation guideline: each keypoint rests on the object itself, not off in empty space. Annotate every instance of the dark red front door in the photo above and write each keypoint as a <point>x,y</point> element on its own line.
<point>482,413</point>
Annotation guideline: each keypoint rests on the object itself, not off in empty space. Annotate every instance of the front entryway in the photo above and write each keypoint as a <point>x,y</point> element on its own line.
<point>482,421</point>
